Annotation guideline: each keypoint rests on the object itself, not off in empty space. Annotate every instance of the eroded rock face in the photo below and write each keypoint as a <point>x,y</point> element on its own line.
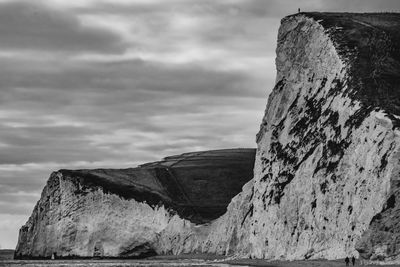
<point>121,213</point>
<point>227,235</point>
<point>328,148</point>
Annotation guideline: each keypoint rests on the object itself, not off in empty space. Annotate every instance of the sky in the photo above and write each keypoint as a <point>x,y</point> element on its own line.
<point>117,83</point>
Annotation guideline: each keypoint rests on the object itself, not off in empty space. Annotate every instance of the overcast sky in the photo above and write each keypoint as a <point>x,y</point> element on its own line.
<point>116,83</point>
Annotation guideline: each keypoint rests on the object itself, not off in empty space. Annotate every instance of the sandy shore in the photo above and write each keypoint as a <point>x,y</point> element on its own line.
<point>265,263</point>
<point>174,260</point>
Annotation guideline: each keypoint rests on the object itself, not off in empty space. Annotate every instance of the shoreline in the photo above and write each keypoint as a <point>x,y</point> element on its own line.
<point>209,259</point>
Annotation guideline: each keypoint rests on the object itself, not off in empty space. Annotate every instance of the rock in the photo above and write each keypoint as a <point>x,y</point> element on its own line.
<point>121,213</point>
<point>227,235</point>
<point>327,162</point>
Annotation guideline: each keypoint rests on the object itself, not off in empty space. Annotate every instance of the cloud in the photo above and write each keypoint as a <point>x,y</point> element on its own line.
<point>117,103</point>
<point>135,74</point>
<point>28,26</point>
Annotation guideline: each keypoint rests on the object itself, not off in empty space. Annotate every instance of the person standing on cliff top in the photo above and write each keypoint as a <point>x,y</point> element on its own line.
<point>347,260</point>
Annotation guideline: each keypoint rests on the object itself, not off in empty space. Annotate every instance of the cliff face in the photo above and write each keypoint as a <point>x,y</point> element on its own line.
<point>121,213</point>
<point>327,161</point>
<point>227,235</point>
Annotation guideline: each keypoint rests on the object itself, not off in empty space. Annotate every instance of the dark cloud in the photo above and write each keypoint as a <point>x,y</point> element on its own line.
<point>30,26</point>
<point>135,75</point>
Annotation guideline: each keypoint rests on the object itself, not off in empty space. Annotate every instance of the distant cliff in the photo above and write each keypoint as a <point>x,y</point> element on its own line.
<point>121,213</point>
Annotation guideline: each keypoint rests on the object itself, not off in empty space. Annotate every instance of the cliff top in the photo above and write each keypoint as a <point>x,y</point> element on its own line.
<point>198,185</point>
<point>209,157</point>
<point>370,45</point>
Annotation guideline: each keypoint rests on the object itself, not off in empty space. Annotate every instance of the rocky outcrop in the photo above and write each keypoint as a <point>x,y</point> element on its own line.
<point>123,213</point>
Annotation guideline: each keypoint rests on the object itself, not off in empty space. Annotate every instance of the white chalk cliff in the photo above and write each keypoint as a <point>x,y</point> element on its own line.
<point>124,212</point>
<point>328,148</point>
<point>327,172</point>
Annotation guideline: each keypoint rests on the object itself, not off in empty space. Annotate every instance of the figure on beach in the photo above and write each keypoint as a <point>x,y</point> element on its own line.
<point>347,260</point>
<point>353,260</point>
